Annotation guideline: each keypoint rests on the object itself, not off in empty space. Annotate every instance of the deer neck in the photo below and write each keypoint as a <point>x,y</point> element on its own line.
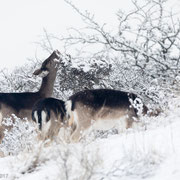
<point>47,84</point>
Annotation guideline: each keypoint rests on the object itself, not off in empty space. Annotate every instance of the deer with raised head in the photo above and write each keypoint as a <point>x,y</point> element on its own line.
<point>50,115</point>
<point>21,104</point>
<point>102,109</point>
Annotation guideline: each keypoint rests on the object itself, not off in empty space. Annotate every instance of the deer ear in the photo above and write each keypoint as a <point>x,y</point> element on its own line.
<point>37,72</point>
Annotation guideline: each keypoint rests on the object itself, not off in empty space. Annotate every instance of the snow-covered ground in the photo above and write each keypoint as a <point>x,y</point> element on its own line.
<point>152,153</point>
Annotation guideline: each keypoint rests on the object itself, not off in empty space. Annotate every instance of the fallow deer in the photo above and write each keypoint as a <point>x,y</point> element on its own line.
<point>21,104</point>
<point>102,109</point>
<point>50,115</point>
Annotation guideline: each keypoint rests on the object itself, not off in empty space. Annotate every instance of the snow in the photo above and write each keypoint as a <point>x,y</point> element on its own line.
<point>152,153</point>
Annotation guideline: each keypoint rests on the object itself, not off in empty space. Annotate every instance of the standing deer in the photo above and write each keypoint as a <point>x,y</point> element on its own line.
<point>21,104</point>
<point>50,115</point>
<point>101,109</point>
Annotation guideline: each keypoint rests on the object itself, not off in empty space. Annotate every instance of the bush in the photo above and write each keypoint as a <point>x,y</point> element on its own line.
<point>19,134</point>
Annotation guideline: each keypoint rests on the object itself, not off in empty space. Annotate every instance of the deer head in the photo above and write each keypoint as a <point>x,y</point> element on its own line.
<point>51,64</point>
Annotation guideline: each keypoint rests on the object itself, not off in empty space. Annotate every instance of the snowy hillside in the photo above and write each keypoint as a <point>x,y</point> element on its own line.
<point>151,154</point>
<point>141,56</point>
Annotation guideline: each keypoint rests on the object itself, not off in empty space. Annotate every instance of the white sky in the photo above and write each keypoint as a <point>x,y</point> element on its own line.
<point>22,23</point>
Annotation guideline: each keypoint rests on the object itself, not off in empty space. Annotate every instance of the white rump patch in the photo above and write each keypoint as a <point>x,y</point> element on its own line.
<point>45,125</point>
<point>73,115</point>
<point>36,116</point>
<point>68,106</point>
<point>43,117</point>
